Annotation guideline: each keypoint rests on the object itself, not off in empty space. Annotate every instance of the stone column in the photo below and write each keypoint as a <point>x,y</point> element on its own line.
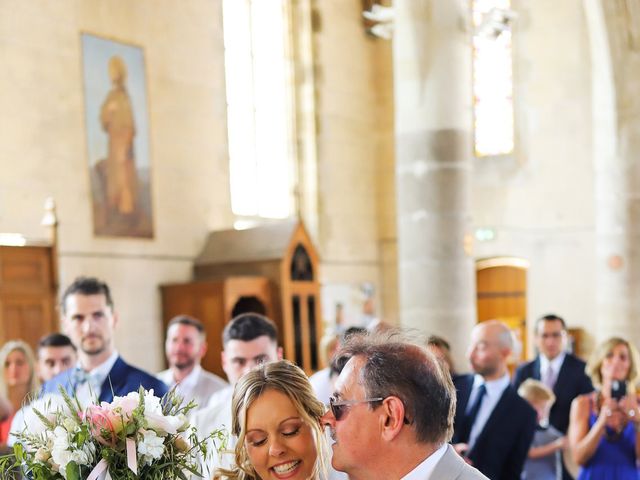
<point>615,51</point>
<point>432,84</point>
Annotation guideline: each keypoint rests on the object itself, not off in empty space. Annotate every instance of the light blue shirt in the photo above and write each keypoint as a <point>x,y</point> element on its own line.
<point>89,391</point>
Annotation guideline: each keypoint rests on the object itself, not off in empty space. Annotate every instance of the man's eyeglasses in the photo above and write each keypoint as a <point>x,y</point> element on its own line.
<point>340,407</point>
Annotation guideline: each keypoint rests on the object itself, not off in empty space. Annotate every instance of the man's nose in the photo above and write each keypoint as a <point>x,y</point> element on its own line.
<point>248,366</point>
<point>327,420</point>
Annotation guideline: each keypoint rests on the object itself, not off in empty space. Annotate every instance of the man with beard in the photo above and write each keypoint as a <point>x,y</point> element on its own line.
<point>89,319</point>
<point>185,347</point>
<point>493,426</point>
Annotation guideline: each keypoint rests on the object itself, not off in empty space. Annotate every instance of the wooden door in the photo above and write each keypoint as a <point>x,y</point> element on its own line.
<point>204,301</point>
<point>27,294</point>
<point>501,285</point>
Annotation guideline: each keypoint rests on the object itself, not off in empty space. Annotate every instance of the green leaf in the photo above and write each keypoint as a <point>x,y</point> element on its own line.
<point>73,471</point>
<point>18,451</point>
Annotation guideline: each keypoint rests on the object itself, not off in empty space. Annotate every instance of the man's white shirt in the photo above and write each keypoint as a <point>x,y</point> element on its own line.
<point>555,364</point>
<point>428,465</point>
<point>199,385</point>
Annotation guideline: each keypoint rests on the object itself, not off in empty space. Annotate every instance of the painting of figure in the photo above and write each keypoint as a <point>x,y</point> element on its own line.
<point>117,137</point>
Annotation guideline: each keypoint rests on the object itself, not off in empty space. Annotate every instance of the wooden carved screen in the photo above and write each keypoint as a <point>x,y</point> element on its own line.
<point>304,332</point>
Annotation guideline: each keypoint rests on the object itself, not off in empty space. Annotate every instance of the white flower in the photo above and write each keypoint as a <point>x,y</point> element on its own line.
<point>163,424</point>
<point>49,406</point>
<point>150,447</point>
<point>60,453</point>
<point>70,424</point>
<point>64,451</point>
<point>152,403</point>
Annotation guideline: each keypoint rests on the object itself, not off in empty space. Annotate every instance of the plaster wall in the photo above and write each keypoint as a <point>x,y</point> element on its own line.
<point>43,148</point>
<point>540,201</point>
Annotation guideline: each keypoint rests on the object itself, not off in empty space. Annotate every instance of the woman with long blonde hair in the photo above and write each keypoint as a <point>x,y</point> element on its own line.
<point>18,380</point>
<point>605,425</point>
<point>276,420</point>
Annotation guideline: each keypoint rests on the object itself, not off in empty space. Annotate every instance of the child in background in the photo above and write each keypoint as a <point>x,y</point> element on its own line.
<point>544,461</point>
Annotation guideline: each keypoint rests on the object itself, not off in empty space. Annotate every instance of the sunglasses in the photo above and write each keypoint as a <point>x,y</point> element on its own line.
<point>340,407</point>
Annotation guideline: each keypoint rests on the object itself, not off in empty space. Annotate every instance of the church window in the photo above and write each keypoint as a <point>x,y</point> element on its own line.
<point>493,77</point>
<point>259,107</point>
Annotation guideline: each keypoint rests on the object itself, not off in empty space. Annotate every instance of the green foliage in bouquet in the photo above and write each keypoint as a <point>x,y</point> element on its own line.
<point>139,436</point>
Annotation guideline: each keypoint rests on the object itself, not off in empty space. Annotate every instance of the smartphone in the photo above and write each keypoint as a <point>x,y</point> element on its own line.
<point>618,389</point>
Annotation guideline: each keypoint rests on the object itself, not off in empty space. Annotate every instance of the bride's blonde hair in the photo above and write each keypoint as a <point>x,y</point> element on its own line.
<point>284,377</point>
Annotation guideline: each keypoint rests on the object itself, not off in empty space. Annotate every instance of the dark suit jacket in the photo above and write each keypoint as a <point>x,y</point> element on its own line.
<point>122,379</point>
<point>502,446</point>
<point>571,382</point>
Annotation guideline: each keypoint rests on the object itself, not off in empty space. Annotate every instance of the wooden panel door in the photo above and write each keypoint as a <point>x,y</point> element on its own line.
<point>502,295</point>
<point>204,301</point>
<point>27,295</point>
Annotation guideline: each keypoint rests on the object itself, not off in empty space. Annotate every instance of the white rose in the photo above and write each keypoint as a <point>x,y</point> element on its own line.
<point>69,424</point>
<point>151,447</point>
<point>152,403</point>
<point>163,424</point>
<point>60,453</point>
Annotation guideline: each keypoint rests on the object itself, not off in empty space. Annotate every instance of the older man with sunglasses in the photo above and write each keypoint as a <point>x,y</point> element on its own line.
<point>391,415</point>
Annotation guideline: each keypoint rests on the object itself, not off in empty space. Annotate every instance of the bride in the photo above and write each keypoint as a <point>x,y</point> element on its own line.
<point>276,419</point>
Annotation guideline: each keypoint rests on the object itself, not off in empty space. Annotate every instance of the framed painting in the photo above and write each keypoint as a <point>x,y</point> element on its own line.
<point>117,129</point>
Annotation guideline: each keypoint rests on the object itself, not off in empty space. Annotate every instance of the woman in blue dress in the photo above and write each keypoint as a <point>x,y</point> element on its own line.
<point>605,425</point>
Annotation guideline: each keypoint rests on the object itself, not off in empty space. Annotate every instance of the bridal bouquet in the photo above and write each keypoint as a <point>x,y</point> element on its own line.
<point>139,436</point>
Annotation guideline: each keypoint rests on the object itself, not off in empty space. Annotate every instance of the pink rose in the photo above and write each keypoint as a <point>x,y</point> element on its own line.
<point>105,424</point>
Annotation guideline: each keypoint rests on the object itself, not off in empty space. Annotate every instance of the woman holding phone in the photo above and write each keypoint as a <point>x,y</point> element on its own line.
<point>604,425</point>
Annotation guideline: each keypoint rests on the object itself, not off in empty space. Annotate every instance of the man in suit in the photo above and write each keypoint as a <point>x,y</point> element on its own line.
<point>561,371</point>
<point>494,426</point>
<point>89,319</point>
<point>391,415</point>
<point>185,347</point>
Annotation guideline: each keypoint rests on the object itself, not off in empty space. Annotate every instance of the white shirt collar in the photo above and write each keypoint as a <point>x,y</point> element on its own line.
<point>428,465</point>
<point>89,391</point>
<point>190,381</point>
<point>556,363</point>
<point>494,387</point>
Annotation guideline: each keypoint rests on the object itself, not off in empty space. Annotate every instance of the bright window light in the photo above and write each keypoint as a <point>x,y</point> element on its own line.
<point>492,80</point>
<point>259,107</point>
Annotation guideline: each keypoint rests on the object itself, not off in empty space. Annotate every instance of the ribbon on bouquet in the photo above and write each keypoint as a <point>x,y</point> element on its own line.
<point>100,471</point>
<point>132,460</point>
